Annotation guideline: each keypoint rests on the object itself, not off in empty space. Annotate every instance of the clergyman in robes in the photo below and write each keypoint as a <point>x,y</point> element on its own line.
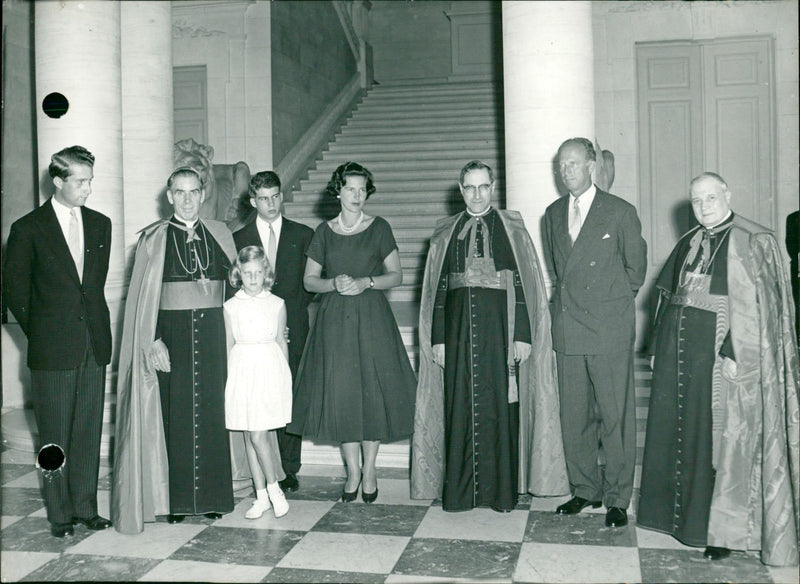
<point>720,459</point>
<point>171,455</point>
<point>486,425</point>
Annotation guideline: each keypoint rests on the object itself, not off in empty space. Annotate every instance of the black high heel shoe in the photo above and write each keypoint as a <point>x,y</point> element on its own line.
<point>350,496</point>
<point>369,497</point>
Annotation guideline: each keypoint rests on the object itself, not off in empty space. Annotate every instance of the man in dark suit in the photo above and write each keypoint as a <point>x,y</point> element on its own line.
<point>593,241</point>
<point>55,274</point>
<point>285,243</point>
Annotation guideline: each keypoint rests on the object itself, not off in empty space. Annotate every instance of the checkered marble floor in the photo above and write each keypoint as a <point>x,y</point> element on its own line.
<point>393,540</point>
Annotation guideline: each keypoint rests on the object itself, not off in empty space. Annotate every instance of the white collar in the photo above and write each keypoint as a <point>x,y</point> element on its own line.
<point>486,212</point>
<point>244,295</point>
<point>62,210</point>
<point>188,224</point>
<point>276,225</point>
<point>585,198</point>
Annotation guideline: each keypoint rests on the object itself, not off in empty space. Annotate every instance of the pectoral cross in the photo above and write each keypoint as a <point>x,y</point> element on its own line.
<point>204,283</point>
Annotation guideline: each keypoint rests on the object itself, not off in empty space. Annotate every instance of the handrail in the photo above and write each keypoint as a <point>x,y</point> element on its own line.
<point>305,151</point>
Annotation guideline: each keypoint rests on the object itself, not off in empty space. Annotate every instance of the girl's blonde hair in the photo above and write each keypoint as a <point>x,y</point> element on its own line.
<point>251,253</point>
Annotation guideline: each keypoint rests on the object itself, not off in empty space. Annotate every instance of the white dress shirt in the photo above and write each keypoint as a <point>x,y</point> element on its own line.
<point>64,217</point>
<point>585,201</point>
<point>263,230</point>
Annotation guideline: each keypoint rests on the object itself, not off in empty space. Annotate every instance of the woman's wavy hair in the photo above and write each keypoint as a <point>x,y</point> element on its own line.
<point>251,253</point>
<point>339,177</point>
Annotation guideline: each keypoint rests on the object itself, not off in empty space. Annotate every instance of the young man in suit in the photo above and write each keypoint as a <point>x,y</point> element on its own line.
<point>55,275</point>
<point>285,242</point>
<point>593,241</point>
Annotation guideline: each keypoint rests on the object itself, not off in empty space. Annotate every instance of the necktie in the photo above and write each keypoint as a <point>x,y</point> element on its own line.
<point>574,221</point>
<point>74,242</point>
<point>272,247</point>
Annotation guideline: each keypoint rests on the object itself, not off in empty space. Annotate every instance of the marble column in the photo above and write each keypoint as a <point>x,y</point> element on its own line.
<point>549,96</point>
<point>78,55</point>
<point>147,113</point>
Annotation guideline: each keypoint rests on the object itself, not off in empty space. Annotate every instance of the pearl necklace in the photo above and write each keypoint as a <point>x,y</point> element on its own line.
<point>355,225</point>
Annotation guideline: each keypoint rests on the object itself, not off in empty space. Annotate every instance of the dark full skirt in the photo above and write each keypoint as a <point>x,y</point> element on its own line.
<point>355,381</point>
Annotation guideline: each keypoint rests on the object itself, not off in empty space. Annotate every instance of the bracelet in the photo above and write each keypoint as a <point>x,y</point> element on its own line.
<point>371,282</point>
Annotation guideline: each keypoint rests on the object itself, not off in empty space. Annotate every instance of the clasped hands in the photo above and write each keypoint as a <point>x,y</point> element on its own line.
<point>521,352</point>
<point>349,286</point>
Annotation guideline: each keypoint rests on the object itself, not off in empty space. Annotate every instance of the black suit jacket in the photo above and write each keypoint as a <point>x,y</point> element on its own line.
<point>597,278</point>
<point>44,293</point>
<point>290,266</point>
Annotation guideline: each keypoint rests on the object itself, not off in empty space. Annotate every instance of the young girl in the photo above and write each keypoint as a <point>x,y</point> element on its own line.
<point>258,395</point>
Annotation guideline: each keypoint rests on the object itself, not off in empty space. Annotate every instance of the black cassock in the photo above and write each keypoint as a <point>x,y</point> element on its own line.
<point>481,427</point>
<point>677,474</point>
<point>193,392</point>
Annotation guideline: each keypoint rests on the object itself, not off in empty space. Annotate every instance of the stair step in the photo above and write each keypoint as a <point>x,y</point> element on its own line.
<point>386,208</point>
<point>420,126</point>
<point>386,193</point>
<point>402,174</point>
<point>424,99</point>
<point>415,138</point>
<point>450,159</point>
<point>445,109</point>
<point>434,115</point>
<point>451,164</point>
<point>439,142</point>
<point>394,184</point>
<point>429,89</point>
<point>352,148</point>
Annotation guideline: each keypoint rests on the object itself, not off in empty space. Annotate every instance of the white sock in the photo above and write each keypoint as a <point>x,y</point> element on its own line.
<point>261,494</point>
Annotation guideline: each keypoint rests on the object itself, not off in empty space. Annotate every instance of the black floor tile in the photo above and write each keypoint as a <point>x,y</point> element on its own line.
<point>231,545</point>
<point>456,558</point>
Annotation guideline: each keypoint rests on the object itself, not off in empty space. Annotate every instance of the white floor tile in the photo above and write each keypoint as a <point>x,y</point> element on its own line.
<point>29,480</point>
<point>302,516</point>
<point>397,492</point>
<point>158,541</point>
<point>344,551</point>
<point>183,571</point>
<point>17,565</point>
<point>476,524</point>
<point>7,520</point>
<point>407,579</point>
<point>785,575</point>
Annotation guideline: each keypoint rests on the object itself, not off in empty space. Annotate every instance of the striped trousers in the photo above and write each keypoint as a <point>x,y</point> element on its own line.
<point>68,406</point>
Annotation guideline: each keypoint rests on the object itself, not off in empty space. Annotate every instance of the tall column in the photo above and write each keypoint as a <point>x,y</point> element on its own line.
<point>147,112</point>
<point>548,73</point>
<point>78,55</point>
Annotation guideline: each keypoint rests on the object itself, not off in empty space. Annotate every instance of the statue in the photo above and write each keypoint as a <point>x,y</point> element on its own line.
<point>224,183</point>
<point>604,167</point>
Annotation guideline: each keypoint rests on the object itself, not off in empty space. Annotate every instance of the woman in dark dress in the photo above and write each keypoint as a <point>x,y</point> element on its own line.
<point>355,384</point>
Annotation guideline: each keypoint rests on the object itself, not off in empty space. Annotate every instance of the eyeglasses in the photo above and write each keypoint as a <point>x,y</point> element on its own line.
<point>470,190</point>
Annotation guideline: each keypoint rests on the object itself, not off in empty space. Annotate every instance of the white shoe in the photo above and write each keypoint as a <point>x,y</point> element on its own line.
<point>257,509</point>
<point>280,506</point>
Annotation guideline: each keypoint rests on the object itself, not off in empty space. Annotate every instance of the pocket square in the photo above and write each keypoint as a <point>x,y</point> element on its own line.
<point>606,236</point>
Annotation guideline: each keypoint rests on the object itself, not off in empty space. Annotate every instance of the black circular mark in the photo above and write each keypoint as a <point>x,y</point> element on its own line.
<point>51,457</point>
<point>55,105</point>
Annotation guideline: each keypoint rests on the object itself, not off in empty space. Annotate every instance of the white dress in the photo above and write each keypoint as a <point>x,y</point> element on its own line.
<point>258,394</point>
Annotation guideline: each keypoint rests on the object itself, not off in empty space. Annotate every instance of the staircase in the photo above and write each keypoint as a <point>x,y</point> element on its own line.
<point>415,140</point>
